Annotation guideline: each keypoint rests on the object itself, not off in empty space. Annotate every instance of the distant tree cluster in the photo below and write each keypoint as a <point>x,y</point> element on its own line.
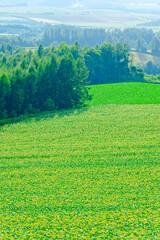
<point>151,68</point>
<point>152,23</point>
<point>111,64</point>
<point>131,35</point>
<point>85,36</point>
<point>57,78</point>
<point>141,39</point>
<point>26,28</point>
<point>18,41</point>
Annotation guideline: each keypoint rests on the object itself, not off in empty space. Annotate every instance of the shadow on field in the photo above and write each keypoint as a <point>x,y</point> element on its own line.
<point>43,115</point>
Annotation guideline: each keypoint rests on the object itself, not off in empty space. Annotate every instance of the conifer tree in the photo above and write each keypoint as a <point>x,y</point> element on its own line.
<point>65,82</point>
<point>5,87</point>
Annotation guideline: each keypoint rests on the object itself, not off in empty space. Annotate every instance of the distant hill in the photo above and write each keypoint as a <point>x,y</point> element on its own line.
<point>143,58</point>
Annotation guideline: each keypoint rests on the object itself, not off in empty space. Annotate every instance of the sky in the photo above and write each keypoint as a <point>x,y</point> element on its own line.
<point>83,3</point>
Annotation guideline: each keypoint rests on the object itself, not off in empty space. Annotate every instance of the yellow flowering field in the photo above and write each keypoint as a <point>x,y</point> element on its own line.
<point>82,174</point>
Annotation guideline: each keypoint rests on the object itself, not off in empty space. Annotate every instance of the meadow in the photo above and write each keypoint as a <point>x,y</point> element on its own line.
<point>91,173</point>
<point>125,93</point>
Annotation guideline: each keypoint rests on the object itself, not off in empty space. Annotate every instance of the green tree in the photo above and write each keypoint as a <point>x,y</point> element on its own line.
<point>30,89</point>
<point>141,45</point>
<point>76,50</point>
<point>65,82</point>
<point>47,81</point>
<point>5,88</point>
<point>121,71</point>
<point>93,62</point>
<point>108,62</point>
<point>18,91</point>
<point>23,64</point>
<point>63,49</point>
<point>40,50</point>
<point>80,89</point>
<point>4,60</point>
<point>155,45</point>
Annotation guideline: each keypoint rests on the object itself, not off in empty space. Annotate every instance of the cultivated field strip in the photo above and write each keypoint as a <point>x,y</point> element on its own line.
<point>82,174</point>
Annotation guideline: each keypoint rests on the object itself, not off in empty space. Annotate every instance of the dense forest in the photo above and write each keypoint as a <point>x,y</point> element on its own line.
<point>31,35</point>
<point>57,78</point>
<point>140,39</point>
<point>85,36</point>
<point>22,33</point>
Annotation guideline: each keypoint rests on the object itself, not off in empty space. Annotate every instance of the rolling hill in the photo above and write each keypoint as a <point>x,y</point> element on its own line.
<point>90,173</point>
<point>143,58</point>
<point>125,93</point>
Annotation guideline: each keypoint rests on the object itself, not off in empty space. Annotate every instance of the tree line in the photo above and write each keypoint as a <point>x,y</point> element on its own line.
<point>141,39</point>
<point>58,78</point>
<point>18,41</point>
<point>69,34</point>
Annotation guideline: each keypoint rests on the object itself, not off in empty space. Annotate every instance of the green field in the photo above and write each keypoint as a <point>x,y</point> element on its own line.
<point>83,174</point>
<point>125,93</point>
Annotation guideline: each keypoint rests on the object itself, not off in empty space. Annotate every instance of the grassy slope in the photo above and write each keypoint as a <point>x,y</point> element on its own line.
<point>125,93</point>
<point>88,174</point>
<point>143,58</point>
